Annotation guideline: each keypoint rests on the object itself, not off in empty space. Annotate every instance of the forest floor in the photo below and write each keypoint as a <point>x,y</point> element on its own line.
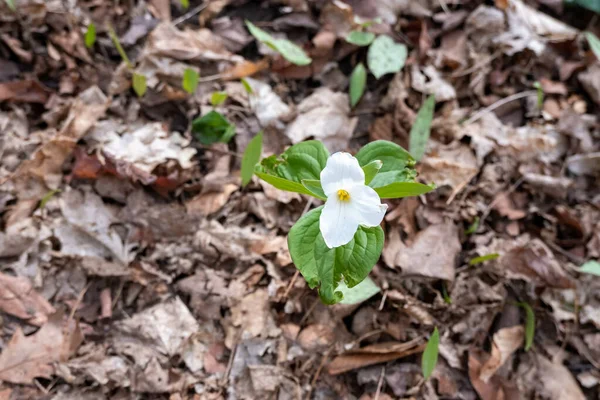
<point>136,266</point>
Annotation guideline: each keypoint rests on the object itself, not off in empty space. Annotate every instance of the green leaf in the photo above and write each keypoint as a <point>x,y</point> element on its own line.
<point>190,80</point>
<point>398,190</point>
<point>185,4</point>
<point>218,98</point>
<point>540,94</point>
<point>314,186</point>
<point>304,160</point>
<point>212,128</point>
<point>251,158</point>
<point>386,56</point>
<point>419,133</point>
<point>430,355</point>
<point>394,158</point>
<point>90,35</point>
<point>445,295</point>
<point>591,267</point>
<point>529,325</point>
<point>281,183</point>
<point>246,86</point>
<point>360,38</point>
<point>594,43</point>
<point>139,84</point>
<point>47,197</point>
<point>11,5</point>
<point>473,227</point>
<point>482,259</point>
<point>359,293</point>
<point>325,267</point>
<point>290,51</point>
<point>371,169</point>
<point>593,5</point>
<point>358,80</point>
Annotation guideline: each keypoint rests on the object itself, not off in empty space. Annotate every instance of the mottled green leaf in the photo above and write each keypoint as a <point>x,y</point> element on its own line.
<point>386,56</point>
<point>290,51</point>
<point>419,133</point>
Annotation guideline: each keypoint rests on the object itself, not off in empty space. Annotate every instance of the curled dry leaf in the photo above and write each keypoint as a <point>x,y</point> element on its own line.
<point>374,354</point>
<point>324,116</point>
<point>253,315</point>
<point>505,342</point>
<point>432,254</point>
<point>18,298</point>
<point>431,82</point>
<point>27,357</point>
<point>267,105</point>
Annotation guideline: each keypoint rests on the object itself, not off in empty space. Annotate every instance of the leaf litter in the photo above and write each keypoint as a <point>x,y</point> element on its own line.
<point>136,264</point>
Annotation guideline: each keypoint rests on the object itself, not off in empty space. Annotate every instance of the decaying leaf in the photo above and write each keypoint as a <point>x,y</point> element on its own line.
<point>18,298</point>
<point>505,342</point>
<point>324,116</point>
<point>27,357</point>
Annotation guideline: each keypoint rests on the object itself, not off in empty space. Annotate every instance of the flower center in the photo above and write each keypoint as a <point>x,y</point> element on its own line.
<point>343,195</point>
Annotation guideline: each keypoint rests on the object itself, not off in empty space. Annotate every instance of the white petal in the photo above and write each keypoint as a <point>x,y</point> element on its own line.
<point>342,171</point>
<point>366,205</point>
<point>337,222</point>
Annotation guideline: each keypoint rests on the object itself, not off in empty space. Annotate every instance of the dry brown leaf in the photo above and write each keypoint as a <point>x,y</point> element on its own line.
<point>430,81</point>
<point>253,315</point>
<point>453,165</point>
<point>535,262</point>
<point>591,82</point>
<point>432,254</point>
<point>374,354</point>
<point>316,336</point>
<point>495,389</point>
<point>27,91</point>
<point>27,357</point>
<point>505,342</point>
<point>505,207</point>
<point>584,164</point>
<point>554,381</point>
<point>18,298</point>
<point>324,116</point>
<point>210,202</point>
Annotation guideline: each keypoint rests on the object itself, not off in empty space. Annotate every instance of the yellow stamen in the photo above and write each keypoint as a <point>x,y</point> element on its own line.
<point>343,195</point>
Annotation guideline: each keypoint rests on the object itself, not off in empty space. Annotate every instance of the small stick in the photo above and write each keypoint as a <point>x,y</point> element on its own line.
<point>380,383</point>
<point>190,13</point>
<point>105,303</point>
<point>499,103</point>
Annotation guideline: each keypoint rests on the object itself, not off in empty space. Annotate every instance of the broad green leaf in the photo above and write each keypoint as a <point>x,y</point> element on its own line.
<point>47,197</point>
<point>325,267</point>
<point>399,190</point>
<point>217,98</point>
<point>482,259</point>
<point>419,133</point>
<point>314,186</point>
<point>185,4</point>
<point>386,56</point>
<point>251,158</point>
<point>90,35</point>
<point>358,80</point>
<point>430,355</point>
<point>304,160</point>
<point>190,80</point>
<point>394,158</point>
<point>212,128</point>
<point>591,267</point>
<point>290,51</point>
<point>371,169</point>
<point>247,86</point>
<point>529,325</point>
<point>360,38</point>
<point>593,5</point>
<point>359,293</point>
<point>11,5</point>
<point>139,84</point>
<point>594,43</point>
<point>282,183</point>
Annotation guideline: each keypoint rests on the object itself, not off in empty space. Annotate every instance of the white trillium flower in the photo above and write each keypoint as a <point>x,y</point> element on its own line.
<point>350,202</point>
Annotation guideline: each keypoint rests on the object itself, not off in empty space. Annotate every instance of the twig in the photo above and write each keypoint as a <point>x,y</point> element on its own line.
<point>190,13</point>
<point>317,374</point>
<point>380,383</point>
<point>226,152</point>
<point>230,362</point>
<point>289,287</point>
<point>499,103</point>
<point>78,301</point>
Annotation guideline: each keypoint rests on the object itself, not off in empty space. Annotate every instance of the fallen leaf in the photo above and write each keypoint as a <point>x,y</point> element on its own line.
<point>253,315</point>
<point>495,389</point>
<point>18,298</point>
<point>584,164</point>
<point>27,91</point>
<point>591,82</point>
<point>555,381</point>
<point>431,82</point>
<point>27,357</point>
<point>374,354</point>
<point>506,208</point>
<point>505,342</point>
<point>432,254</point>
<point>324,115</point>
<point>535,262</point>
<point>266,104</point>
<point>210,202</point>
<point>316,336</point>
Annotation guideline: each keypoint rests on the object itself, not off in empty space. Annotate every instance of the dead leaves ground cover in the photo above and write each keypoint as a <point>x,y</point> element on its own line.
<point>134,265</point>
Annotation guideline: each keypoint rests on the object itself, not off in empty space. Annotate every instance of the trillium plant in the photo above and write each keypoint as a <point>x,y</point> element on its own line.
<point>340,241</point>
